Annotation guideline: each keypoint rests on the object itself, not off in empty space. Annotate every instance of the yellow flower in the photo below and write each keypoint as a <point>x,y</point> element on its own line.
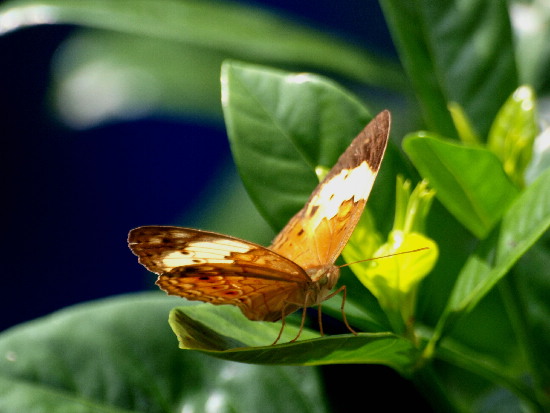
<point>394,280</point>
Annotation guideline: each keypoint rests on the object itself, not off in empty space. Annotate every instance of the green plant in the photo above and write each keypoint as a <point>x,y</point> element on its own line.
<point>480,333</point>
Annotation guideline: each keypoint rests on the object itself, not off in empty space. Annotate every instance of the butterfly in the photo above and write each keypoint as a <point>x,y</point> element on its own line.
<point>297,270</point>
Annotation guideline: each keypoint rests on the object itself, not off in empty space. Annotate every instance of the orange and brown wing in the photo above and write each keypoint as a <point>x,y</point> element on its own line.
<point>318,233</point>
<point>219,269</point>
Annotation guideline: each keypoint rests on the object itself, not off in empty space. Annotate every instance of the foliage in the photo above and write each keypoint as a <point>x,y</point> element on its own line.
<point>479,335</point>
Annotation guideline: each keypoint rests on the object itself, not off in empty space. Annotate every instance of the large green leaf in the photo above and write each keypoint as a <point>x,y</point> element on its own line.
<point>230,28</point>
<point>281,127</point>
<point>119,355</point>
<point>469,181</point>
<point>455,51</point>
<point>522,225</point>
<point>205,328</point>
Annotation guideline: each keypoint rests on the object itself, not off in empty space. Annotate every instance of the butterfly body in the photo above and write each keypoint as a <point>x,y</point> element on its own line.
<point>297,270</point>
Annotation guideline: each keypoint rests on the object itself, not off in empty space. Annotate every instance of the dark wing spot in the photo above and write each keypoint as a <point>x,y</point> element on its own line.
<point>314,209</point>
<point>300,232</point>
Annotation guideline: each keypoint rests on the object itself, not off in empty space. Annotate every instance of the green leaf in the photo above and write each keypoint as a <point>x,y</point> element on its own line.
<point>282,127</point>
<point>522,225</point>
<point>119,355</point>
<point>449,49</point>
<point>235,30</point>
<point>470,182</point>
<point>205,328</point>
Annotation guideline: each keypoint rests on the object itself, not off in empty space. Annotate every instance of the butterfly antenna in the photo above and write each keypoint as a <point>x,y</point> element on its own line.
<point>384,256</point>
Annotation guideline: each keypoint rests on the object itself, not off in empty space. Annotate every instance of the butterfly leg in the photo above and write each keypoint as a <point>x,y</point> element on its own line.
<point>302,323</point>
<point>344,319</point>
<point>301,326</point>
<point>283,323</point>
<point>280,331</point>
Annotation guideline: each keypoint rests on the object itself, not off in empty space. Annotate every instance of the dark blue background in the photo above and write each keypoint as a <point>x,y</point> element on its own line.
<point>70,197</point>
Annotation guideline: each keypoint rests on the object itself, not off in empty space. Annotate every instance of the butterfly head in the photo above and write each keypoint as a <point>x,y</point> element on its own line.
<point>324,278</point>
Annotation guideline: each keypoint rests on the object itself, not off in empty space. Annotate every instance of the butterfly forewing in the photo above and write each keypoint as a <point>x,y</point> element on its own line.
<point>215,268</point>
<point>318,233</point>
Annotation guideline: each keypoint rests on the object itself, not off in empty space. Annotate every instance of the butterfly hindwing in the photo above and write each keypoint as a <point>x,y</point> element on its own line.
<point>318,233</point>
<point>262,299</point>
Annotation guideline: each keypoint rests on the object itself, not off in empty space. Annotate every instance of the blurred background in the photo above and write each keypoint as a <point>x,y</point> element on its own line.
<point>75,179</point>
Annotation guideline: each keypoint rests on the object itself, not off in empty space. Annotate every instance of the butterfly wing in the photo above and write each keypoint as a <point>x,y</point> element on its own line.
<point>215,268</point>
<point>318,233</point>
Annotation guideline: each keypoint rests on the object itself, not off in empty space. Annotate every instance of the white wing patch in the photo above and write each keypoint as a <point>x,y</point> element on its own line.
<point>212,252</point>
<point>353,183</point>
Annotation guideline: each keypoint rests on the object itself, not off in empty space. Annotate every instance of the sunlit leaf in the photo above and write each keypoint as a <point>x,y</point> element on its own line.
<point>469,181</point>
